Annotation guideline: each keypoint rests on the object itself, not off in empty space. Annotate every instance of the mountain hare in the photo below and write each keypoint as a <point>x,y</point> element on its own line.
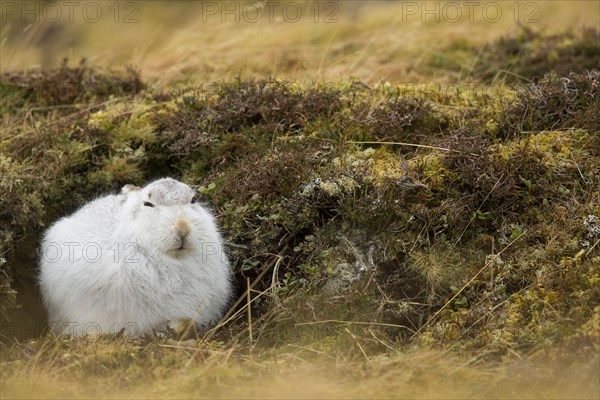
<point>135,262</point>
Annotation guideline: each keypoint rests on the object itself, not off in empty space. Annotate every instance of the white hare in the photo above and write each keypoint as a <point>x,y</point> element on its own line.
<point>135,262</point>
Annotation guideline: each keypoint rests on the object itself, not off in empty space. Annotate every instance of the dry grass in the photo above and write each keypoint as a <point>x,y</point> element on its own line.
<point>86,368</point>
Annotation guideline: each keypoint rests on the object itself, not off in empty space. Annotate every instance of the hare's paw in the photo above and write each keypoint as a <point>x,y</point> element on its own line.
<point>164,330</point>
<point>184,327</point>
<point>178,328</point>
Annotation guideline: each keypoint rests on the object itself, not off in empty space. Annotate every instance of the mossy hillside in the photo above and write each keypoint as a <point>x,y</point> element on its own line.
<point>460,226</point>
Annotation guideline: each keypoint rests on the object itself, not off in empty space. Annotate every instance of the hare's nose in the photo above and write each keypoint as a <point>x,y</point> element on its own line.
<point>181,228</point>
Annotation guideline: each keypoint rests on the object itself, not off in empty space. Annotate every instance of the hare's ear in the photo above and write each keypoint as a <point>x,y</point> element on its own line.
<point>130,188</point>
<point>126,190</point>
<point>197,196</point>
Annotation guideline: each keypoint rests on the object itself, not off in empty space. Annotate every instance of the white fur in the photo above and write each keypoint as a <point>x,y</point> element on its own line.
<point>139,281</point>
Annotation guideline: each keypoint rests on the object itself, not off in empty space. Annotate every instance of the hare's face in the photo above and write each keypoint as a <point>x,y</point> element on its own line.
<point>165,217</point>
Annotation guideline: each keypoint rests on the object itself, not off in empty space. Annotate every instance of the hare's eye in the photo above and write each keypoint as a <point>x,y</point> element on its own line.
<point>148,204</point>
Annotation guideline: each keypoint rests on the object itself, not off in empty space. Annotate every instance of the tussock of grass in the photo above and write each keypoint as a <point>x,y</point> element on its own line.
<point>523,56</point>
<point>64,86</point>
<point>556,103</point>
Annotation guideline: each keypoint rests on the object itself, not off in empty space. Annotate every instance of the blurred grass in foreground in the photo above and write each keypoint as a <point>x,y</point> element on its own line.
<point>86,368</point>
